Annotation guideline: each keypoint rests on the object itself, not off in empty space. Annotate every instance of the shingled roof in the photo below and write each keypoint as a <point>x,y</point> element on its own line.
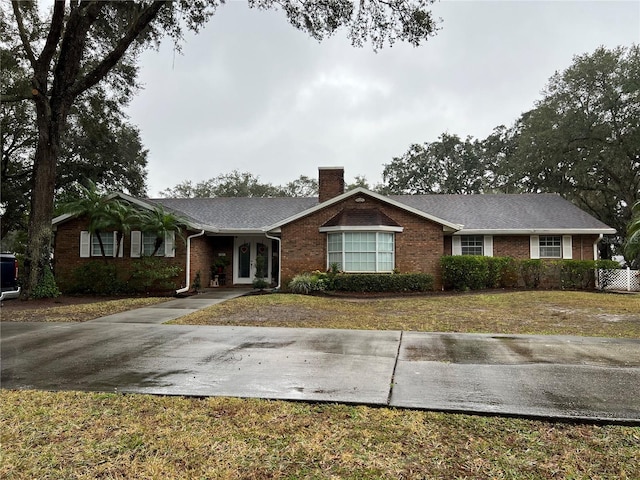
<point>238,213</point>
<point>486,212</point>
<point>535,211</point>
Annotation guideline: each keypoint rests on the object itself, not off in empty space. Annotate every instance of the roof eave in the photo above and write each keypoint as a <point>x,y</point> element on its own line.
<point>536,231</point>
<point>140,203</point>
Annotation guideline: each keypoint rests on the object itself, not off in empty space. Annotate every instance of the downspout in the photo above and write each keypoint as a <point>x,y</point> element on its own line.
<point>596,257</point>
<point>596,250</point>
<point>186,289</point>
<point>279,257</point>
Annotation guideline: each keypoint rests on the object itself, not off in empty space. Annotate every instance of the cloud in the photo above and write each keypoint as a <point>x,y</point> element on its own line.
<point>252,93</point>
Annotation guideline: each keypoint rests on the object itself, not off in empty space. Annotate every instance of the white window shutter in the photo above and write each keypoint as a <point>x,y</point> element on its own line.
<point>534,246</point>
<point>456,245</point>
<point>136,243</point>
<point>169,247</point>
<point>488,245</point>
<point>567,247</point>
<point>85,244</point>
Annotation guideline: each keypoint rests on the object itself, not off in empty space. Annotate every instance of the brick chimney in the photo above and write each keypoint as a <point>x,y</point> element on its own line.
<point>330,182</point>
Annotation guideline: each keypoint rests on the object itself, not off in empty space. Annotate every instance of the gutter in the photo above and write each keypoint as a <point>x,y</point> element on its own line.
<point>188,268</point>
<point>279,257</point>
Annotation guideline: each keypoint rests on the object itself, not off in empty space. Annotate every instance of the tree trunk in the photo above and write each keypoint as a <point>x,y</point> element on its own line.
<point>50,121</point>
<point>40,232</point>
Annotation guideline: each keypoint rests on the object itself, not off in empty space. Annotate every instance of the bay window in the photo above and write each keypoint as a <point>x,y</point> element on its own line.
<point>361,251</point>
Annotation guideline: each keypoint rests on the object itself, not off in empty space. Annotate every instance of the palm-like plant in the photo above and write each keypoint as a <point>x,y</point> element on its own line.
<point>159,222</point>
<point>632,244</point>
<point>95,206</point>
<point>123,218</point>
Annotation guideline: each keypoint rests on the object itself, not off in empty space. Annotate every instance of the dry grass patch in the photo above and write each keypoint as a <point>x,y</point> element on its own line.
<point>529,312</point>
<point>93,435</point>
<point>76,312</point>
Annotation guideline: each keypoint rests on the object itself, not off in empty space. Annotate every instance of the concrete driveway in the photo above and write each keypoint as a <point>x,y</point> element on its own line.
<point>593,379</point>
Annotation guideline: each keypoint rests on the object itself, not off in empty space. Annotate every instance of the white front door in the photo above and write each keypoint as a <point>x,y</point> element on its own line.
<point>249,255</point>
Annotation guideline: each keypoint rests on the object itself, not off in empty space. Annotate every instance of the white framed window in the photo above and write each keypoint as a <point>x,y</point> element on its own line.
<point>149,245</point>
<point>472,245</point>
<point>143,244</point>
<point>362,251</point>
<point>90,245</point>
<point>108,242</point>
<point>550,246</point>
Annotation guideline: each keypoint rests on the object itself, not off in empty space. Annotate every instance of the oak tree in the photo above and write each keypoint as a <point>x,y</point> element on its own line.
<point>81,44</point>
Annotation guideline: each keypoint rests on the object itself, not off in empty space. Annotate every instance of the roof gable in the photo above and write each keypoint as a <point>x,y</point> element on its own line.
<point>363,191</point>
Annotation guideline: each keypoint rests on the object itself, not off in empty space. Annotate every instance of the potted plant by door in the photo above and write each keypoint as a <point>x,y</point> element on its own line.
<point>218,270</point>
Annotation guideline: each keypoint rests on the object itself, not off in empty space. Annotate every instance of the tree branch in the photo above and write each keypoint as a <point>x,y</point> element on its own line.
<point>57,22</point>
<point>102,69</point>
<point>23,34</point>
<point>14,97</point>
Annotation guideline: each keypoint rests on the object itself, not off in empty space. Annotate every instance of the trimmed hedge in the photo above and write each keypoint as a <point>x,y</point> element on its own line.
<point>144,275</point>
<point>470,272</point>
<point>383,282</point>
<point>366,282</point>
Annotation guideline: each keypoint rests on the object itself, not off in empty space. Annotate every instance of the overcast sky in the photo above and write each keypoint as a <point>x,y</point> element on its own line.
<point>251,93</point>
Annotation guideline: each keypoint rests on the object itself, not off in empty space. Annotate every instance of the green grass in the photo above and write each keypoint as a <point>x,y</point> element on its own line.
<point>95,435</point>
<point>523,312</point>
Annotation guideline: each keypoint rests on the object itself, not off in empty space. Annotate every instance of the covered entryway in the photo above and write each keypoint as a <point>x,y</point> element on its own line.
<point>251,258</point>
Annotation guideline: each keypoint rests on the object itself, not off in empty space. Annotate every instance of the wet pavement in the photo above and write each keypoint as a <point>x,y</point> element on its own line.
<point>561,377</point>
<point>172,309</point>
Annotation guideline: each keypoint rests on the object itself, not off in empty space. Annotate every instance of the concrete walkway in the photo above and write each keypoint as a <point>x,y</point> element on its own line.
<point>172,309</point>
<point>558,377</point>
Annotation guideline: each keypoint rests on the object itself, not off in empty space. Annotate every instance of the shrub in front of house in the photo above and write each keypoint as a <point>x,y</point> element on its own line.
<point>532,272</point>
<point>96,278</point>
<point>466,272</point>
<point>143,275</point>
<point>152,274</point>
<point>307,283</point>
<point>580,274</point>
<point>469,272</point>
<point>383,282</point>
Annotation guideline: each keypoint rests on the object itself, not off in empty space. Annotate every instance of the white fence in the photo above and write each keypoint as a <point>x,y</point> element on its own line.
<point>623,279</point>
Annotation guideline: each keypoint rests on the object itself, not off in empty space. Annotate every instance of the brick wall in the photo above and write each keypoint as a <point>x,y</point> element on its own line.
<point>67,254</point>
<point>330,182</point>
<point>516,246</point>
<point>201,259</point>
<point>418,248</point>
<point>582,247</point>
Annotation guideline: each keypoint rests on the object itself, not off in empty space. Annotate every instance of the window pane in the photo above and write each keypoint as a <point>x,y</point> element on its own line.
<point>360,262</point>
<point>363,251</point>
<point>472,245</point>
<point>107,243</point>
<point>551,246</point>
<point>335,242</point>
<point>149,244</point>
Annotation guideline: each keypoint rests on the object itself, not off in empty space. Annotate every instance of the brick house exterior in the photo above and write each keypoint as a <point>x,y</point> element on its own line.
<point>364,230</point>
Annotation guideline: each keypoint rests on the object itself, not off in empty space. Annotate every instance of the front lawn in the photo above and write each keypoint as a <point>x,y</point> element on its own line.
<point>522,312</point>
<point>71,309</point>
<point>98,435</point>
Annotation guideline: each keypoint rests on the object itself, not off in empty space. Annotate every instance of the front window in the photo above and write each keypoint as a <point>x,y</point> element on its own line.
<point>149,245</point>
<point>472,245</point>
<point>362,251</point>
<point>107,242</point>
<point>550,246</point>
